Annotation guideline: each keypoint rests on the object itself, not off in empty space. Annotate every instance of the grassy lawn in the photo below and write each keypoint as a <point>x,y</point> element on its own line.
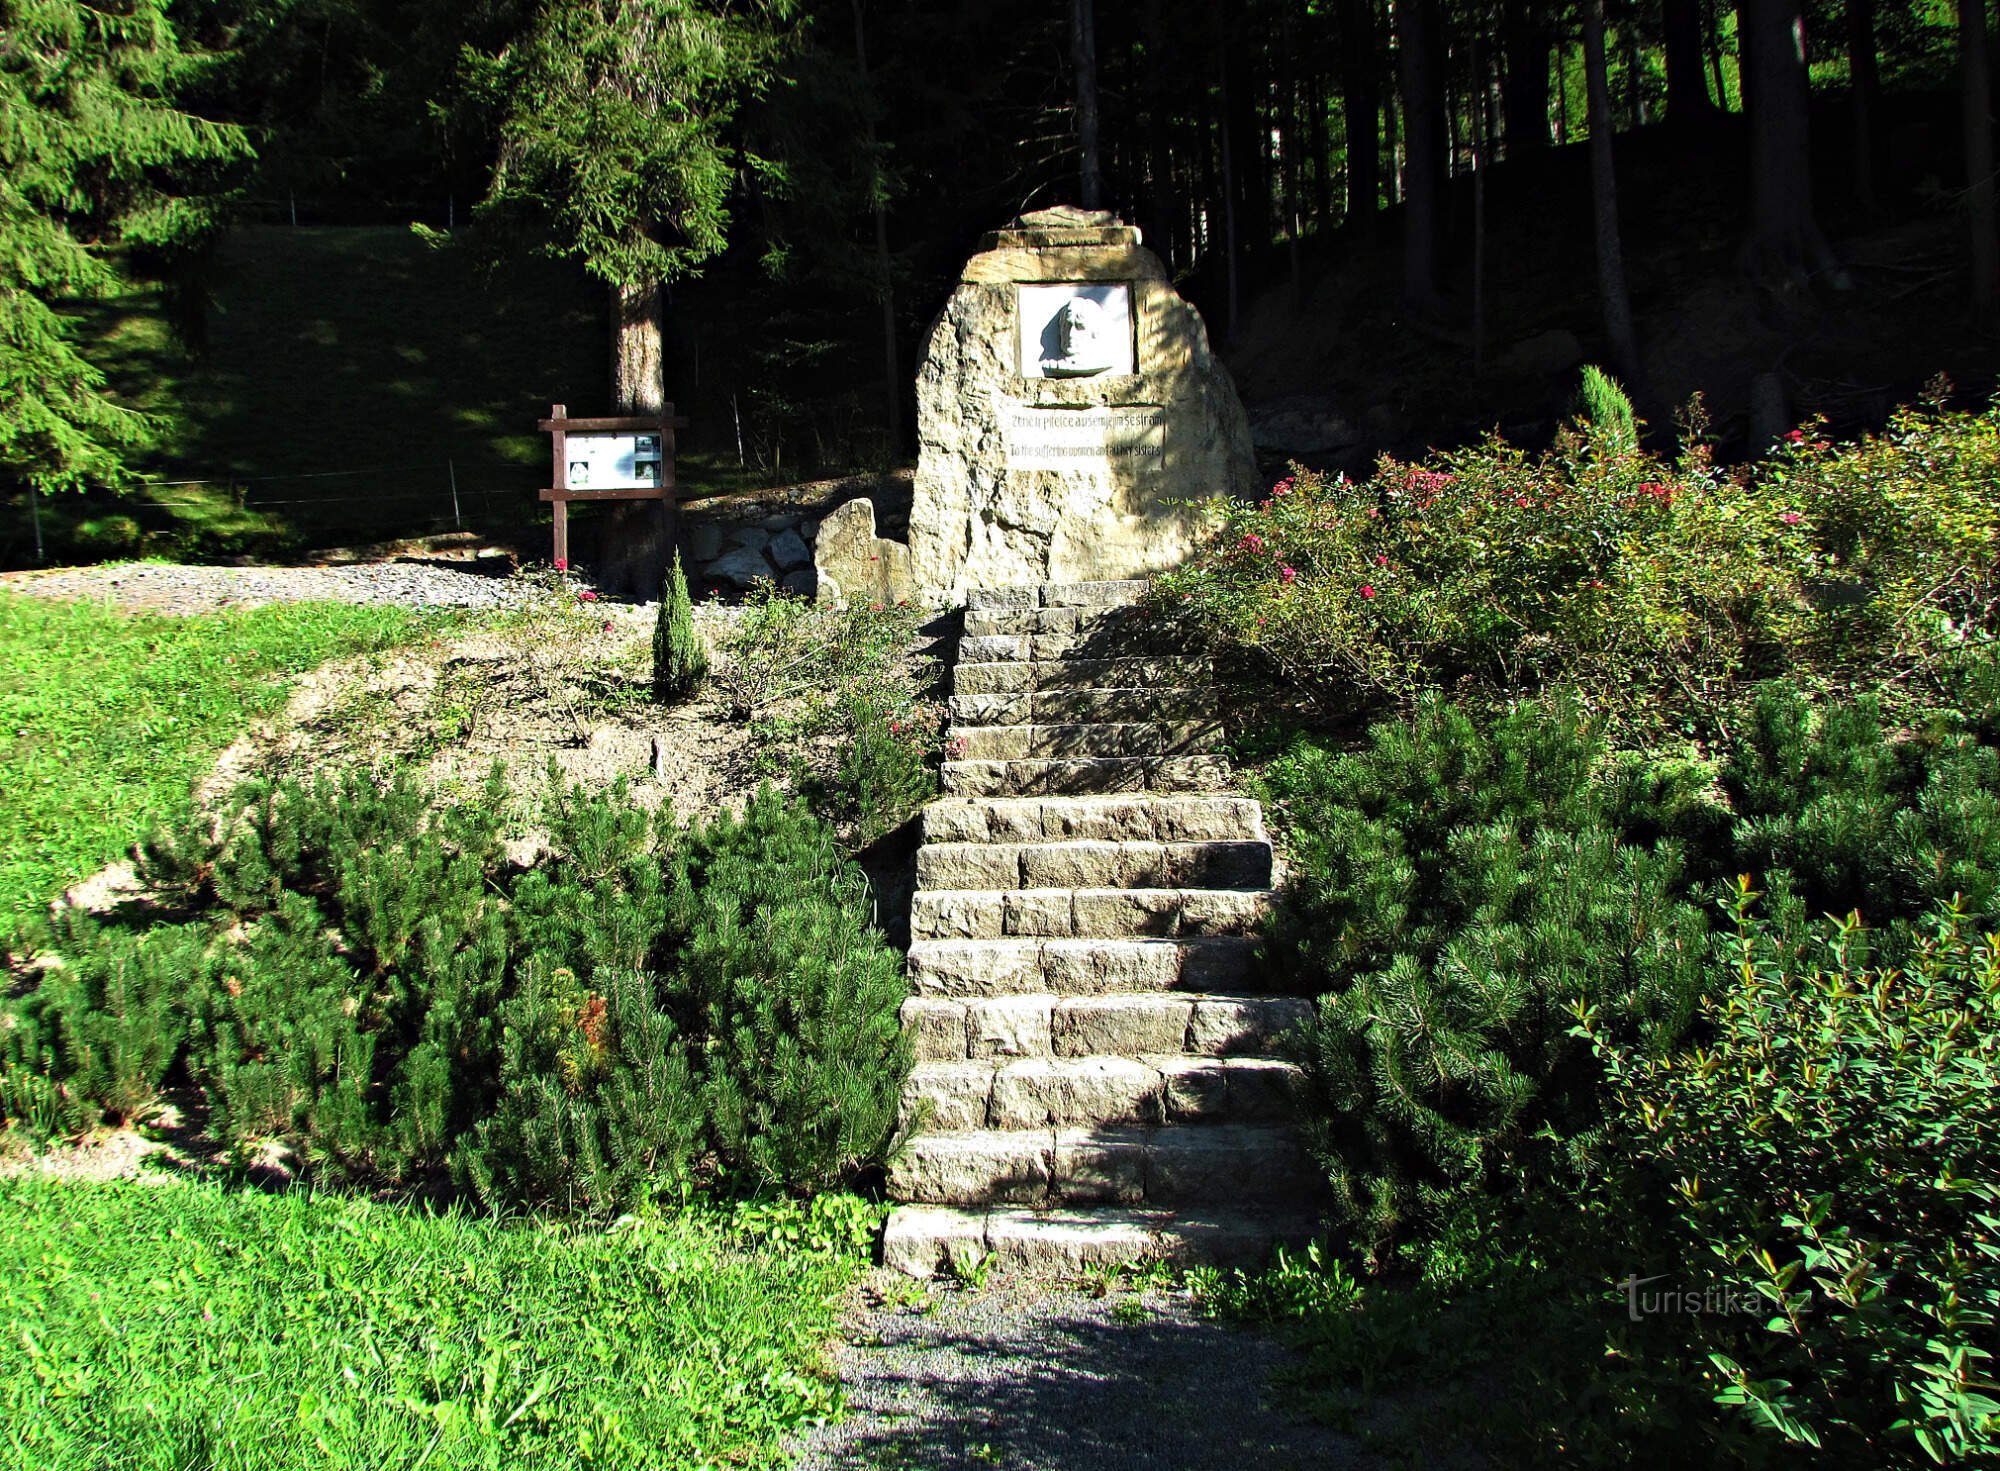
<point>177,1327</point>
<point>107,719</point>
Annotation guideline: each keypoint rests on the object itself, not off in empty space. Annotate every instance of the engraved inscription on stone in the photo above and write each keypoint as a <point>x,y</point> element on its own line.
<point>1075,330</point>
<point>1086,439</point>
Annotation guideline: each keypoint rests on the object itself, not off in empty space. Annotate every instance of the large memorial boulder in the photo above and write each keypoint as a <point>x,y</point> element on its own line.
<point>1068,406</point>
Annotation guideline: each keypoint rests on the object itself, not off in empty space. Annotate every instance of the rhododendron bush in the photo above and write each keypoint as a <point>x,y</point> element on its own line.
<point>1654,587</point>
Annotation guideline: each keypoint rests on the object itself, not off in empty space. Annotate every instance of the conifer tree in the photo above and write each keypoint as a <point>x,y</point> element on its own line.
<point>88,130</point>
<point>680,663</point>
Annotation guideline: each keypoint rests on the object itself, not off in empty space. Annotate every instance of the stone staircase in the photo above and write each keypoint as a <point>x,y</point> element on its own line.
<point>1093,1079</point>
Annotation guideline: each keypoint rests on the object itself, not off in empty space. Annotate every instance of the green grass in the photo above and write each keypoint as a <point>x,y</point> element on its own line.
<point>178,1327</point>
<point>107,719</point>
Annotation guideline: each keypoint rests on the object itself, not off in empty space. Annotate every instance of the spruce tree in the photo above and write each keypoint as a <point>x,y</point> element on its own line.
<point>680,663</point>
<point>88,131</point>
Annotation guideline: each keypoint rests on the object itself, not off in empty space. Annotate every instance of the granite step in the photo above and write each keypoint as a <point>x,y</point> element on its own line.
<point>1152,1089</point>
<point>1126,638</point>
<point>1141,817</point>
<point>1071,707</point>
<point>1092,967</point>
<point>1028,676</point>
<point>1110,1024</point>
<point>1179,1165</point>
<point>1050,914</point>
<point>1087,864</point>
<point>990,622</point>
<point>1097,738</point>
<point>923,1240</point>
<point>1056,776</point>
<point>1056,595</point>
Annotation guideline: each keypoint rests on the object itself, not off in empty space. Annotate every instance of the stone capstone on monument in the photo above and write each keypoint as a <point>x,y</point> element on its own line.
<point>1068,405</point>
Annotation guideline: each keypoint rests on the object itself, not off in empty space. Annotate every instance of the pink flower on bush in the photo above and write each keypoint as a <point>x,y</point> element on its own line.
<point>1287,574</point>
<point>607,625</point>
<point>562,564</point>
<point>1381,559</point>
<point>1790,518</point>
<point>1367,589</point>
<point>1796,436</point>
<point>1283,487</point>
<point>587,596</point>
<point>1252,543</point>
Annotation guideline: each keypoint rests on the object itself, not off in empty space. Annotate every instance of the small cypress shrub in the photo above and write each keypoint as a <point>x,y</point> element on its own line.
<point>680,663</point>
<point>1604,406</point>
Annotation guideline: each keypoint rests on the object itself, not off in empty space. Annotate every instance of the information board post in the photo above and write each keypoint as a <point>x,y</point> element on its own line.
<point>624,458</point>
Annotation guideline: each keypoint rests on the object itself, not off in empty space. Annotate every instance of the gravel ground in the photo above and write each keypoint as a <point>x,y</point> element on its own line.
<point>158,587</point>
<point>1029,1378</point>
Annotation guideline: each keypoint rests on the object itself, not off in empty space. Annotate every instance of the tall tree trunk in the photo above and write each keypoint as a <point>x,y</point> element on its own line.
<point>1524,90</point>
<point>885,283</point>
<point>1785,244</point>
<point>1083,58</point>
<point>1423,150</point>
<point>632,551</point>
<point>1613,297</point>
<point>1712,25</point>
<point>1864,88</point>
<point>1250,200</point>
<point>1159,143</point>
<point>1687,78</point>
<point>1635,78</point>
<point>1977,117</point>
<point>638,358</point>
<point>1360,107</point>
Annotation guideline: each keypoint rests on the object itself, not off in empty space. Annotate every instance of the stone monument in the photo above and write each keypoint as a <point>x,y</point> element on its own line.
<point>1067,399</point>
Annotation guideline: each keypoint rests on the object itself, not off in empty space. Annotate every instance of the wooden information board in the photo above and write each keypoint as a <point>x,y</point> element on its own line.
<point>629,458</point>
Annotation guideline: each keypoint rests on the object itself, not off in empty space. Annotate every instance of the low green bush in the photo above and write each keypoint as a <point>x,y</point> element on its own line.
<point>1452,892</point>
<point>797,1000</point>
<point>1657,589</point>
<point>355,968</point>
<point>1830,1152</point>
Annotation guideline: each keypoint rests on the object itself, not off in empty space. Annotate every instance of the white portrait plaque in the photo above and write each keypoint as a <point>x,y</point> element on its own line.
<point>1075,329</point>
<point>611,461</point>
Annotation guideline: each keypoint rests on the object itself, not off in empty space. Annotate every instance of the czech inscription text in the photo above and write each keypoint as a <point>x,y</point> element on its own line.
<point>1085,439</point>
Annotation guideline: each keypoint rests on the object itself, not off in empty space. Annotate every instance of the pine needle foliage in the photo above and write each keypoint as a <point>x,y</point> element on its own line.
<point>1455,891</point>
<point>356,968</point>
<point>680,661</point>
<point>798,1000</point>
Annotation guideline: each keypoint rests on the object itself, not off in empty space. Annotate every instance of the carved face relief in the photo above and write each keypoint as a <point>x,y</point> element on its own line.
<point>1075,331</point>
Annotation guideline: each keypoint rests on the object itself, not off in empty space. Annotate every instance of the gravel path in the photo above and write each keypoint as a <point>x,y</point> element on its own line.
<point>1028,1378</point>
<point>158,587</point>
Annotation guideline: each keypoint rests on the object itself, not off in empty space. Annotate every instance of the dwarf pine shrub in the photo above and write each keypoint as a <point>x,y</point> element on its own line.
<point>680,660</point>
<point>797,998</point>
<point>359,971</point>
<point>1455,891</point>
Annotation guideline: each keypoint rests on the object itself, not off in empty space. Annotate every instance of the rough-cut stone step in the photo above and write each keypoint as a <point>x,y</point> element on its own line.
<point>1093,967</point>
<point>1238,1163</point>
<point>1024,676</point>
<point>923,1240</point>
<point>1056,776</point>
<point>1094,865</point>
<point>1098,1092</point>
<point>1126,738</point>
<point>1071,707</point>
<point>985,622</point>
<point>1126,639</point>
<point>1049,914</point>
<point>1118,819</point>
<point>1056,595</point>
<point>1115,1024</point>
